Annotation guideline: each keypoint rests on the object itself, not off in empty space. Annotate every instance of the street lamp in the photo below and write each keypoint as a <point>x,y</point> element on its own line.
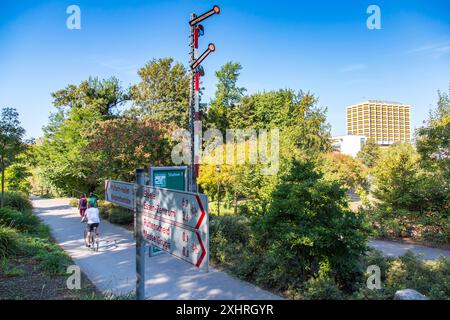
<point>218,188</point>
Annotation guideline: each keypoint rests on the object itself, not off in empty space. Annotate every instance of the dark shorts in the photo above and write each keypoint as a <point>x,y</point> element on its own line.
<point>82,211</point>
<point>91,226</point>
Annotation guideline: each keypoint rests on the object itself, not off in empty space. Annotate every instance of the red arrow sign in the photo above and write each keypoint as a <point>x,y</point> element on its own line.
<point>184,209</point>
<point>180,242</point>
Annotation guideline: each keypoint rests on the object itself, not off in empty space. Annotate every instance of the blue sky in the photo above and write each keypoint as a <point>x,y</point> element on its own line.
<point>320,46</point>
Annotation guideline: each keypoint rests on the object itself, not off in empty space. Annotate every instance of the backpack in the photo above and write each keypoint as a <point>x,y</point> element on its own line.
<point>83,203</point>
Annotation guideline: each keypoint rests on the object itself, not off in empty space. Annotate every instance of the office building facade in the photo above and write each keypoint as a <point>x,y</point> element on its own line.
<point>384,122</point>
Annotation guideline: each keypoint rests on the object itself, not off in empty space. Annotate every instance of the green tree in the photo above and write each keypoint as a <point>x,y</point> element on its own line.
<point>162,93</point>
<point>227,97</point>
<point>11,134</point>
<point>18,175</point>
<point>62,155</point>
<point>396,177</point>
<point>370,153</point>
<point>349,171</point>
<point>433,140</point>
<point>99,96</point>
<point>308,230</point>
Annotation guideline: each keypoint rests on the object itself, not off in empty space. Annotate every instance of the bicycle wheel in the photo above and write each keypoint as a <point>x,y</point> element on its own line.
<point>84,237</point>
<point>95,242</point>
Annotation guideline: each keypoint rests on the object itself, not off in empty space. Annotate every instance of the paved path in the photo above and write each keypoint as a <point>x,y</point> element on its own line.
<point>112,268</point>
<point>395,249</point>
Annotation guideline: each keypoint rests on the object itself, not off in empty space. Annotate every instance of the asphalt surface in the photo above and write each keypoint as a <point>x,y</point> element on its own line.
<point>112,268</point>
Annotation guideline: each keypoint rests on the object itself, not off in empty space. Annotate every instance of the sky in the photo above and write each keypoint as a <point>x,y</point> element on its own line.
<point>324,47</point>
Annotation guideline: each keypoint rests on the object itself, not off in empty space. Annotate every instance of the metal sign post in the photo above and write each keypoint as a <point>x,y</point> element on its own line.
<point>140,246</point>
<point>178,223</point>
<point>174,221</point>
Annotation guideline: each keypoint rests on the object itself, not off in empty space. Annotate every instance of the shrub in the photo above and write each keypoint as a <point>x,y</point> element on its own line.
<point>121,216</point>
<point>22,221</point>
<point>431,278</point>
<point>308,227</point>
<point>8,241</point>
<point>54,262</point>
<point>365,293</point>
<point>322,288</point>
<point>18,201</point>
<point>73,203</point>
<point>230,245</point>
<point>105,209</point>
<point>234,228</point>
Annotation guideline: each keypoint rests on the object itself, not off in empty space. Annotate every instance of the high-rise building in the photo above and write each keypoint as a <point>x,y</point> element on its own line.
<point>384,122</point>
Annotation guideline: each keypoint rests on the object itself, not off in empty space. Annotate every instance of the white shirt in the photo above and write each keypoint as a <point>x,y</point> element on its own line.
<point>92,215</point>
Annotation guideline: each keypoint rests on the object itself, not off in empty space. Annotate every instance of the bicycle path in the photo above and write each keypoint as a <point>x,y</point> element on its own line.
<point>112,268</point>
<point>395,249</point>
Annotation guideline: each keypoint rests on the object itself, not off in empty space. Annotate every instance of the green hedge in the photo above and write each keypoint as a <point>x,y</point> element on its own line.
<point>234,247</point>
<point>22,221</point>
<point>115,214</point>
<point>8,241</point>
<point>17,200</point>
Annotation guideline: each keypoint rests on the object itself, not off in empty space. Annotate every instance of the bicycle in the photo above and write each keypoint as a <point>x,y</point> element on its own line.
<point>93,243</point>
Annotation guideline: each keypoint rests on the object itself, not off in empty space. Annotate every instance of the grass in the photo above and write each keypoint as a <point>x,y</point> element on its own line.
<point>32,265</point>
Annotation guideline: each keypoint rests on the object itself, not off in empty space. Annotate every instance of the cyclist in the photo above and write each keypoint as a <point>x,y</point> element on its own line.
<point>93,222</point>
<point>82,205</point>
<point>92,199</point>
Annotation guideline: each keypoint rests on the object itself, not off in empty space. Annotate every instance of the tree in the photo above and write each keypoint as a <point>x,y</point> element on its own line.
<point>227,97</point>
<point>370,153</point>
<point>18,175</point>
<point>62,156</point>
<point>163,93</point>
<point>11,134</point>
<point>396,177</point>
<point>99,96</point>
<point>349,171</point>
<point>308,229</point>
<point>124,144</point>
<point>433,140</point>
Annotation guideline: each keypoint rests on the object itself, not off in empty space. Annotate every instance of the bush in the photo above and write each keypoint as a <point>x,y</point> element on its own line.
<point>22,221</point>
<point>365,293</point>
<point>73,203</point>
<point>322,288</point>
<point>121,216</point>
<point>8,241</point>
<point>18,201</point>
<point>229,244</point>
<point>234,228</point>
<point>54,262</point>
<point>431,278</point>
<point>105,209</point>
<point>308,228</point>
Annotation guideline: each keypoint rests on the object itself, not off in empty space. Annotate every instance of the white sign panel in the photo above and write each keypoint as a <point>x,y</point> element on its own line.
<point>185,244</point>
<point>120,193</point>
<point>177,222</point>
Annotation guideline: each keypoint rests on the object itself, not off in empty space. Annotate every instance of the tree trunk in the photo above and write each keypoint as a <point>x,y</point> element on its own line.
<point>235,201</point>
<point>3,188</point>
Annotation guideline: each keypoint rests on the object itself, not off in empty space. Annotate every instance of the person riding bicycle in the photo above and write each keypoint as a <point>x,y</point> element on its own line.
<point>92,199</point>
<point>93,222</point>
<point>82,205</point>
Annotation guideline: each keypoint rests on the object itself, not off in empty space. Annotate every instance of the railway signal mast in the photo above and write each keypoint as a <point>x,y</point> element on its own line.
<point>197,71</point>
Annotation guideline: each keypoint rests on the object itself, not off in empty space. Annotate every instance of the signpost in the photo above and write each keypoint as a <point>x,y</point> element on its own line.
<point>183,243</point>
<point>178,223</point>
<point>174,178</point>
<point>120,193</point>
